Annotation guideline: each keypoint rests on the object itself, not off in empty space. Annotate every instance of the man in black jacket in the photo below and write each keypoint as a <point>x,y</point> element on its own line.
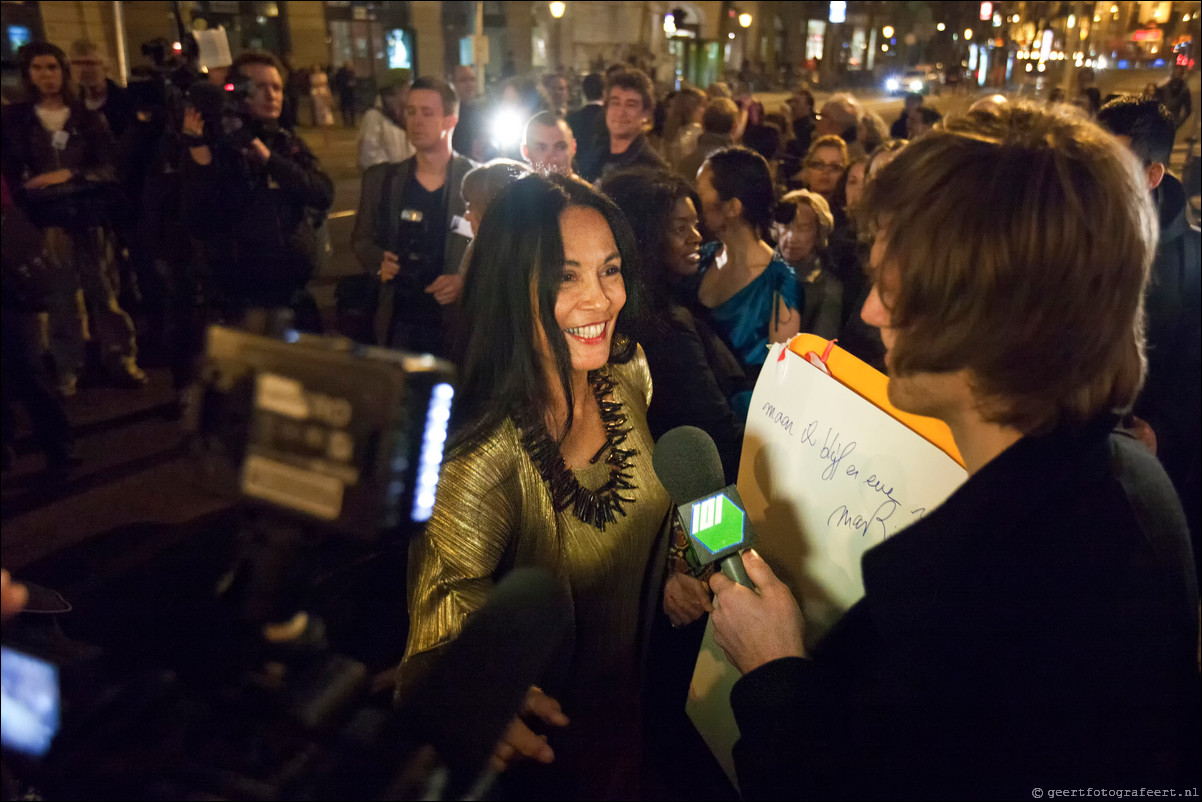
<point>255,198</point>
<point>588,121</point>
<point>410,230</point>
<point>1171,399</point>
<point>629,103</point>
<point>1038,630</point>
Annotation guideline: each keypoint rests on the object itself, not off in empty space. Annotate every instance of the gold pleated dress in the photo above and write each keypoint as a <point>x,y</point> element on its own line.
<point>494,513</point>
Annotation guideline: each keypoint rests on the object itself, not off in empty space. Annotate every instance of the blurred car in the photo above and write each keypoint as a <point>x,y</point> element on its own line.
<point>915,79</point>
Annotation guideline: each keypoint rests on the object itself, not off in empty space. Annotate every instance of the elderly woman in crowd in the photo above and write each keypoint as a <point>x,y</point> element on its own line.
<point>802,223</point>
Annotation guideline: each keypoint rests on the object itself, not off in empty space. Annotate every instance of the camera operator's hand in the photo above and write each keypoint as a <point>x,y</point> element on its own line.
<point>519,741</point>
<point>194,128</point>
<point>13,596</point>
<point>49,179</point>
<point>389,266</point>
<point>686,599</point>
<point>756,627</point>
<point>257,151</point>
<point>446,289</point>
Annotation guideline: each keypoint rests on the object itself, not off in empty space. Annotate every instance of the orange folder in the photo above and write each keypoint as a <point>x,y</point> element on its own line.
<point>869,383</point>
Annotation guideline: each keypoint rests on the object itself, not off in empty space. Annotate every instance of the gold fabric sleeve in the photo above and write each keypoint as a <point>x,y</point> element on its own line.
<point>452,565</point>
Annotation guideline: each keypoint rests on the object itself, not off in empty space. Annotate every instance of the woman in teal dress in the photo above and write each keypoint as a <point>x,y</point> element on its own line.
<point>752,296</point>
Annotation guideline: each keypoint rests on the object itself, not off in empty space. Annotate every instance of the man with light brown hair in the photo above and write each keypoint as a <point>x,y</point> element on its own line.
<point>1038,630</point>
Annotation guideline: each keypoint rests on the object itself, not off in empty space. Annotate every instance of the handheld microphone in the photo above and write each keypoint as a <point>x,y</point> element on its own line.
<point>467,699</point>
<point>690,469</point>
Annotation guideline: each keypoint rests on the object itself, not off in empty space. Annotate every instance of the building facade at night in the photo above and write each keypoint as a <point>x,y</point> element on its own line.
<point>767,42</point>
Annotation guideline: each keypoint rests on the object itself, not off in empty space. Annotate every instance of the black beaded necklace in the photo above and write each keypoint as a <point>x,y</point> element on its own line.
<point>594,507</point>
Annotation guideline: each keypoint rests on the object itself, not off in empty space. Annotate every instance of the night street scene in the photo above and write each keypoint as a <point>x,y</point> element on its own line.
<point>600,399</point>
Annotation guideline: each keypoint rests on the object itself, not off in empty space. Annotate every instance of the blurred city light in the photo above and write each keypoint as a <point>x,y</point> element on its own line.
<point>507,125</point>
<point>941,27</point>
<point>887,31</point>
<point>745,20</point>
<point>557,8</point>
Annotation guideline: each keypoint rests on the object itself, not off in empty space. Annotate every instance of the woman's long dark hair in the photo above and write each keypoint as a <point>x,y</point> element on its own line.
<point>744,174</point>
<point>647,197</point>
<point>28,53</point>
<point>519,251</point>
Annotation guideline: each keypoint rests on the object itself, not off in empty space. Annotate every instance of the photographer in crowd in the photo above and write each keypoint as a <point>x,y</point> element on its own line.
<point>410,225</point>
<point>254,194</point>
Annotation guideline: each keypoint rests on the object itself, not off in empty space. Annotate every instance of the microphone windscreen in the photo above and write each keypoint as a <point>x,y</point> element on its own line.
<point>468,697</point>
<point>687,464</point>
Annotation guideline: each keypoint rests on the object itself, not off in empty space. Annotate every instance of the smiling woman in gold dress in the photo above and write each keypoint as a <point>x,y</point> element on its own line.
<point>550,466</point>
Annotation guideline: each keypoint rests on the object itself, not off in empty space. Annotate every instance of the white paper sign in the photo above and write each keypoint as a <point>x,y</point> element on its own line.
<point>214,47</point>
<point>825,475</point>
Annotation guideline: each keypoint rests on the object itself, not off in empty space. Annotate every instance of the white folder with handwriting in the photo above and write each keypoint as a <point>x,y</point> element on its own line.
<point>828,470</point>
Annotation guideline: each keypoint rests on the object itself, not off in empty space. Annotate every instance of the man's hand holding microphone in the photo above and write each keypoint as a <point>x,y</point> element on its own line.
<point>756,626</point>
<point>756,619</point>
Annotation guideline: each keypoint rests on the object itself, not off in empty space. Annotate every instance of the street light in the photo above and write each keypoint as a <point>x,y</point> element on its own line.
<point>745,20</point>
<point>941,27</point>
<point>888,31</point>
<point>968,33</point>
<point>557,8</point>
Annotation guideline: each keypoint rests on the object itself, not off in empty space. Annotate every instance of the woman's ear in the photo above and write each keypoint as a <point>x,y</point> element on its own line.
<point>732,209</point>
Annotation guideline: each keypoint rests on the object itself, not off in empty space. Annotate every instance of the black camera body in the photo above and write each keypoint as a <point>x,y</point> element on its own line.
<point>323,430</point>
<point>417,265</point>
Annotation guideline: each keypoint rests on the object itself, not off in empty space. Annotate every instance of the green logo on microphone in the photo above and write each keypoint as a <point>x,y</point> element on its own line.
<point>716,523</point>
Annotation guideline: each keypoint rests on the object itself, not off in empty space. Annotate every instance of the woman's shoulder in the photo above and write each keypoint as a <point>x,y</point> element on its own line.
<point>779,269</point>
<point>783,279</point>
<point>633,377</point>
<point>495,450</point>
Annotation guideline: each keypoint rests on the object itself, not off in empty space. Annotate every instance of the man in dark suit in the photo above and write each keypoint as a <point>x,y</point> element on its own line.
<point>588,121</point>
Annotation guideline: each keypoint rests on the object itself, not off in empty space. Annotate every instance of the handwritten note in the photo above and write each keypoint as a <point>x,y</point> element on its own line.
<point>825,475</point>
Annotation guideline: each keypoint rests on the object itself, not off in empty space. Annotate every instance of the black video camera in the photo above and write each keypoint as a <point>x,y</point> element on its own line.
<point>313,436</point>
<point>336,434</point>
